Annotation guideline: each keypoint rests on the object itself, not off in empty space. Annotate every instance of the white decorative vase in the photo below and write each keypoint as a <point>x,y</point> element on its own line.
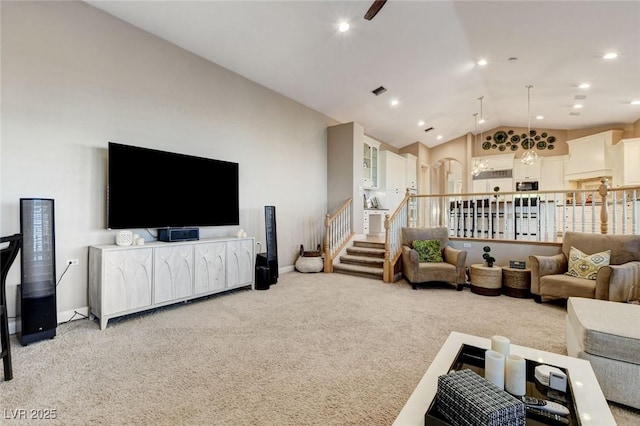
<point>124,238</point>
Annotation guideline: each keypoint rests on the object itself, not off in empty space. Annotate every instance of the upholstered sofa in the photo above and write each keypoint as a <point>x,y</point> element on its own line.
<point>451,270</point>
<point>613,282</point>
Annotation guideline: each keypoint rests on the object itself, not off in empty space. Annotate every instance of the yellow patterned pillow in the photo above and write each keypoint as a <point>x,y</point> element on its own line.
<point>584,265</point>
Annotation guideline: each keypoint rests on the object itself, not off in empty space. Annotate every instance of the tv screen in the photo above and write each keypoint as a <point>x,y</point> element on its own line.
<point>148,188</point>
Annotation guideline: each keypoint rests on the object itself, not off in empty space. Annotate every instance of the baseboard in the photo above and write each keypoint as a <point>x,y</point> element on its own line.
<point>286,269</point>
<point>76,314</point>
<point>65,316</point>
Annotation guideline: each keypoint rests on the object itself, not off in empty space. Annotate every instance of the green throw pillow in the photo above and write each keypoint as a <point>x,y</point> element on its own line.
<point>428,250</point>
<point>584,265</point>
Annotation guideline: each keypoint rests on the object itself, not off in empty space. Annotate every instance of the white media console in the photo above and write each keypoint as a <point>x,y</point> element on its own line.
<point>125,280</point>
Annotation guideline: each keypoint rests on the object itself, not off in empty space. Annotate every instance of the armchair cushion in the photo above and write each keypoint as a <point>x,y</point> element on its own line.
<point>428,250</point>
<point>584,265</point>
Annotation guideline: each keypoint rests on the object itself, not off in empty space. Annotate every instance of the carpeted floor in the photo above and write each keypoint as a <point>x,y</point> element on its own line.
<point>315,349</point>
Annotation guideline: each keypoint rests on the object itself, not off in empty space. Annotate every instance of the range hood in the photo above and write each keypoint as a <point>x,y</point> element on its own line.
<point>590,157</point>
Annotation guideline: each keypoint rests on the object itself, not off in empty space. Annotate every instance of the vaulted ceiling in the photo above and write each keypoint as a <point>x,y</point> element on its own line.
<point>425,54</point>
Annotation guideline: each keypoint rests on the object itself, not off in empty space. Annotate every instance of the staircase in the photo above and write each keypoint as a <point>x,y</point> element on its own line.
<point>364,258</point>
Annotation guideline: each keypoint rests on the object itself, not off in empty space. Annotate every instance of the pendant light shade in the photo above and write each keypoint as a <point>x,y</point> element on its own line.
<point>529,157</point>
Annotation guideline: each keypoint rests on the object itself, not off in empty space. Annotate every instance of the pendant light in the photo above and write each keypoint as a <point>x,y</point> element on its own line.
<point>529,157</point>
<point>475,169</point>
<point>483,163</point>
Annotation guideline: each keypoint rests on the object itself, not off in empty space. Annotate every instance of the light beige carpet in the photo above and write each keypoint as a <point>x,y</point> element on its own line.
<point>315,349</point>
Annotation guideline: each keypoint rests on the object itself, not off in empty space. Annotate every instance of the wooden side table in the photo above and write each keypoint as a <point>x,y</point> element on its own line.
<point>484,280</point>
<point>516,282</point>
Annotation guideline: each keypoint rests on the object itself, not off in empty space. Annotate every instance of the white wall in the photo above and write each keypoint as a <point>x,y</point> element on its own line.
<point>75,78</point>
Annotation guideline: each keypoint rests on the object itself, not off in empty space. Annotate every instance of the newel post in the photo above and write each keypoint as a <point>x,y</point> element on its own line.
<point>387,273</point>
<point>603,190</point>
<point>328,260</point>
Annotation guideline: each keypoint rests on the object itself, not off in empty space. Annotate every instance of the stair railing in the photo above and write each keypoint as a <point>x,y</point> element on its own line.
<point>393,237</point>
<point>337,233</point>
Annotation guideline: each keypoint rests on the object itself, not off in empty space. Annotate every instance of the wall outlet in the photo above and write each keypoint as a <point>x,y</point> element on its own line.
<point>466,245</point>
<point>73,262</point>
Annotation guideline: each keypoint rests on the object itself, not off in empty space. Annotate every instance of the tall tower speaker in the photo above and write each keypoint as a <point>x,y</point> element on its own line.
<point>38,312</point>
<point>270,257</point>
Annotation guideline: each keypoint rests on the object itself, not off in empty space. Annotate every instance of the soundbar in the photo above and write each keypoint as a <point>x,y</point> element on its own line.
<point>170,235</point>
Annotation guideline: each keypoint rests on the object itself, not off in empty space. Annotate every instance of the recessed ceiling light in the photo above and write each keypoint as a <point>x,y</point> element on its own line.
<point>420,123</point>
<point>610,55</point>
<point>482,62</point>
<point>577,106</point>
<point>481,121</point>
<point>635,102</point>
<point>394,102</point>
<point>584,86</point>
<point>439,137</point>
<point>539,117</point>
<point>344,26</point>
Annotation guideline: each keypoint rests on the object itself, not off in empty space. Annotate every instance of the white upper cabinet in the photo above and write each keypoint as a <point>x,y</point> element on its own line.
<point>371,163</point>
<point>552,173</point>
<point>411,171</point>
<point>392,171</point>
<point>523,171</point>
<point>625,155</point>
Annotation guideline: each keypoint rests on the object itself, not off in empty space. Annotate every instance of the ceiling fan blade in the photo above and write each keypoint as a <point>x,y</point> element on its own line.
<point>374,9</point>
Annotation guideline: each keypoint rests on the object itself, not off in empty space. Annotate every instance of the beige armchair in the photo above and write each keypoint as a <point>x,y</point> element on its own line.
<point>450,271</point>
<point>613,282</point>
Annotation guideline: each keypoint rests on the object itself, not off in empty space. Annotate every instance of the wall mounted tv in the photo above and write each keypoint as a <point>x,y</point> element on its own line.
<point>148,188</point>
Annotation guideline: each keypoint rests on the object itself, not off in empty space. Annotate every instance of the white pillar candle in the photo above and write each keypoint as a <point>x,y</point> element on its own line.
<point>494,368</point>
<point>516,375</point>
<point>500,344</point>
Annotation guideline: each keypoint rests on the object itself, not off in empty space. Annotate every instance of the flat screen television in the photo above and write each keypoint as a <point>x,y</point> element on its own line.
<point>148,188</point>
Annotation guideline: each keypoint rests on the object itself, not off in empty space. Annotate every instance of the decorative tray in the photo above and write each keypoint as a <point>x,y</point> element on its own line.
<point>472,357</point>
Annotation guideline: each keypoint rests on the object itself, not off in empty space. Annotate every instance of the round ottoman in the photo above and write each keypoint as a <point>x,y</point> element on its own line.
<point>516,282</point>
<point>484,280</point>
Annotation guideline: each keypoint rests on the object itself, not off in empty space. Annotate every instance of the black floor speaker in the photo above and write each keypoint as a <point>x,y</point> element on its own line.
<point>272,242</point>
<point>37,305</point>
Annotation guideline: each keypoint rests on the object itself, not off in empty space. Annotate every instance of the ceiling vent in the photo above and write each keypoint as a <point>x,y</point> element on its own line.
<point>430,128</point>
<point>574,113</point>
<point>379,91</point>
<point>580,97</point>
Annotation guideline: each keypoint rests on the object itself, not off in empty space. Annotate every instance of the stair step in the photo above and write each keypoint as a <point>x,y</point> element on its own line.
<point>362,271</point>
<point>376,262</point>
<point>369,244</point>
<point>366,251</point>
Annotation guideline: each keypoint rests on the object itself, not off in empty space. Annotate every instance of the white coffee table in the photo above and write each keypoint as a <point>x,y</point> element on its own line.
<point>589,401</point>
